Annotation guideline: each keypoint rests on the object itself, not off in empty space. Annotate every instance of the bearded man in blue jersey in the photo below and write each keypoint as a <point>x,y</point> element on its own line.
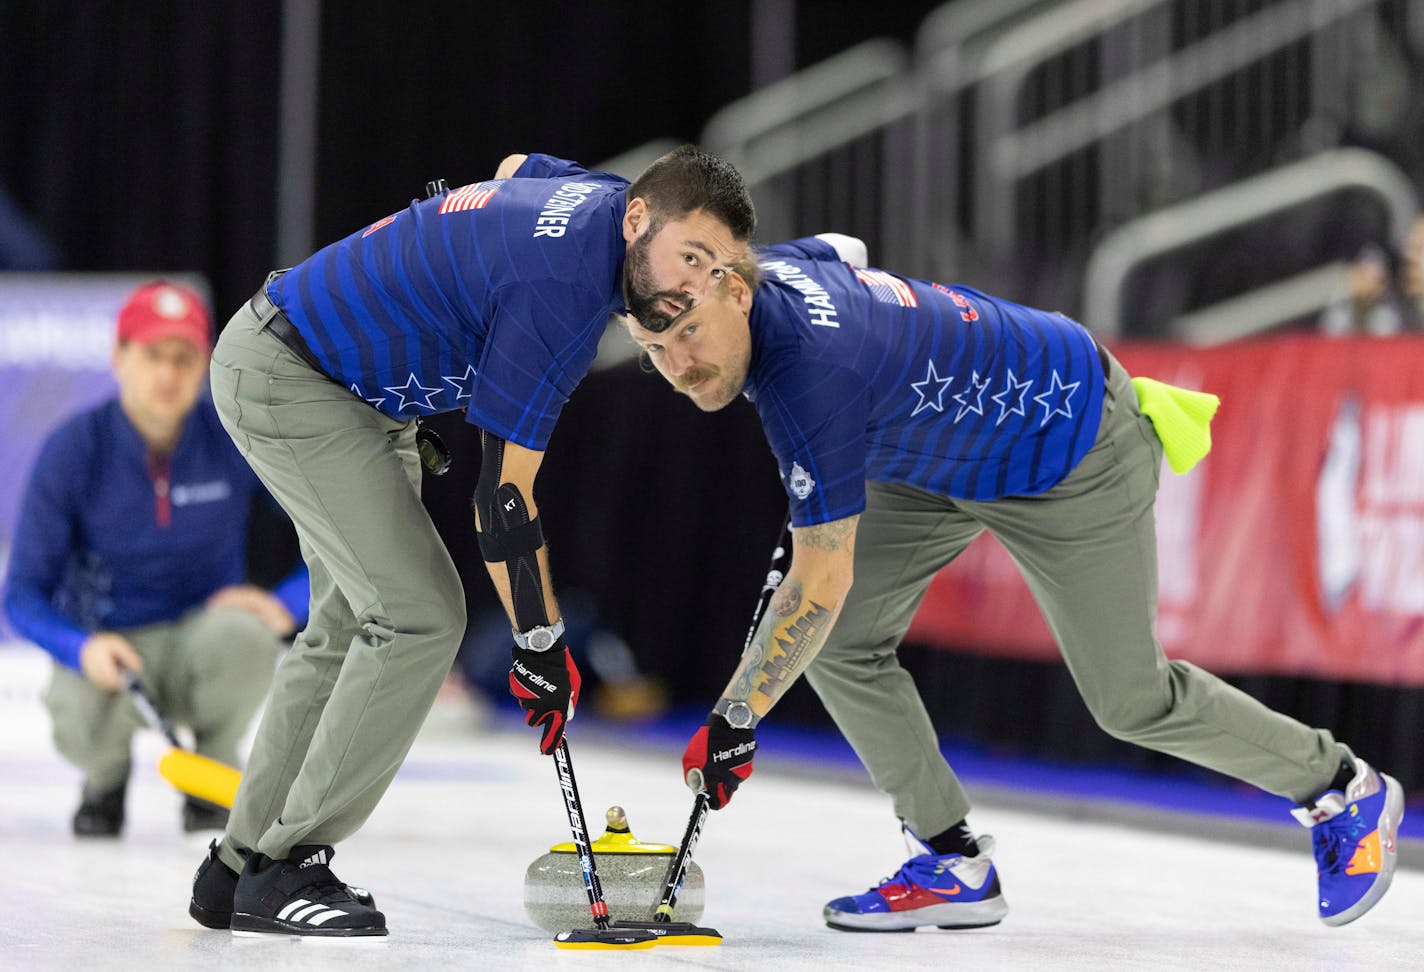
<point>907,418</point>
<point>490,298</point>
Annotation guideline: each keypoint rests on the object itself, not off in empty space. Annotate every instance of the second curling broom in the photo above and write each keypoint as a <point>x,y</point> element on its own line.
<point>671,932</point>
<point>198,776</point>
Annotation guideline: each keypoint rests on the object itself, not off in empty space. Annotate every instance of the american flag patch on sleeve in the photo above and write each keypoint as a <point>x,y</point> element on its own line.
<point>886,287</point>
<point>474,196</point>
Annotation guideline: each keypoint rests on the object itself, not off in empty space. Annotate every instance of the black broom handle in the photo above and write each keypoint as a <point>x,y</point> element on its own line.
<point>677,870</point>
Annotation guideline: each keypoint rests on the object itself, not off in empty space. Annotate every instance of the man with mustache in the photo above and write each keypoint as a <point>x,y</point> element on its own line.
<point>907,418</point>
<point>489,298</point>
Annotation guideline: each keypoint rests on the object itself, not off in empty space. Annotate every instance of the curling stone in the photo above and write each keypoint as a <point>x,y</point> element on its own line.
<point>632,874</point>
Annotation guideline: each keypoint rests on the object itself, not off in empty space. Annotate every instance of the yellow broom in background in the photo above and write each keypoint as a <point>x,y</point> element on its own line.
<point>197,776</point>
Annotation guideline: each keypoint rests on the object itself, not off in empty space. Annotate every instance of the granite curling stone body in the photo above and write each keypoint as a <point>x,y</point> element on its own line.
<point>631,871</point>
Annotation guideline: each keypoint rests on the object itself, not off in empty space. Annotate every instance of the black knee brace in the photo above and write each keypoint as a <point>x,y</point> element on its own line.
<point>508,535</point>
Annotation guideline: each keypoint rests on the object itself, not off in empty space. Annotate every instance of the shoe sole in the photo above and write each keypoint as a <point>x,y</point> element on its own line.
<point>1389,843</point>
<point>976,914</point>
<point>253,926</point>
<point>207,918</point>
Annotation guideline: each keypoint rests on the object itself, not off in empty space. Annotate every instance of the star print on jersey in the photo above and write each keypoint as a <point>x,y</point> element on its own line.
<point>975,391</point>
<point>462,383</point>
<point>412,390</point>
<point>1058,400</point>
<point>935,399</point>
<point>1017,391</point>
<point>375,402</point>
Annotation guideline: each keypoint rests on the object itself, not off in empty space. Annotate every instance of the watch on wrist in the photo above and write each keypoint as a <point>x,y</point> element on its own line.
<point>737,713</point>
<point>540,637</point>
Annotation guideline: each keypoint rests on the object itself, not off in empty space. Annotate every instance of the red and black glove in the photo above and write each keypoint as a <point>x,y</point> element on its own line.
<point>718,759</point>
<point>546,683</point>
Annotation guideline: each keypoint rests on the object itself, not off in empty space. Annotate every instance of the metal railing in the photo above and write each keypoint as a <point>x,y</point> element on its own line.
<point>948,50</point>
<point>827,149</point>
<point>1086,114</point>
<point>1175,227</point>
<point>1023,131</point>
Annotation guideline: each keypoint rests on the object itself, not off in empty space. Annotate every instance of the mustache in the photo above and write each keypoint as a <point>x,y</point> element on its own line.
<point>690,378</point>
<point>679,300</point>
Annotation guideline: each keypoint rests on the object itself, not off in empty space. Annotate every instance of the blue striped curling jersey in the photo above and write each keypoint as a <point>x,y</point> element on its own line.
<point>860,375</point>
<point>491,297</point>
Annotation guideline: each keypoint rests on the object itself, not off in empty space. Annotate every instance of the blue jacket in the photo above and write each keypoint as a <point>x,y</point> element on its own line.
<point>102,546</point>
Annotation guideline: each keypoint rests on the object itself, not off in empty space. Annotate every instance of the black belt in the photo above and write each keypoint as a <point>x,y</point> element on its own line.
<point>280,327</point>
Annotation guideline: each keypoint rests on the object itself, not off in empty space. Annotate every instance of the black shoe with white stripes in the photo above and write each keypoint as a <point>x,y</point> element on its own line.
<point>300,896</point>
<point>215,884</point>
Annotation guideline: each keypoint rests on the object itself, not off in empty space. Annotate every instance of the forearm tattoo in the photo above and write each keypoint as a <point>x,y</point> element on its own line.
<point>796,624</point>
<point>786,640</point>
<point>796,645</point>
<point>829,536</point>
<point>787,598</point>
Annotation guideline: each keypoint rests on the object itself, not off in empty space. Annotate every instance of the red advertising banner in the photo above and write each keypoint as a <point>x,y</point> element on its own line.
<point>1295,548</point>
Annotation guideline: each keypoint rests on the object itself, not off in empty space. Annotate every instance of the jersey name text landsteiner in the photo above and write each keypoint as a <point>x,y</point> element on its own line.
<point>554,220</point>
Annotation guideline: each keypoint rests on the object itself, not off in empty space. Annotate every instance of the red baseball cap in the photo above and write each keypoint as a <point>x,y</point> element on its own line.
<point>161,310</point>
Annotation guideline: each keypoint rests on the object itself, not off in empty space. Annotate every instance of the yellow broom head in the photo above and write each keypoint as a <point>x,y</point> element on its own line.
<point>199,776</point>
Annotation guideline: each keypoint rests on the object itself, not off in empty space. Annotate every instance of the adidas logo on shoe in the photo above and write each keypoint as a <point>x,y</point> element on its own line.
<point>302,911</point>
<point>215,885</point>
<point>300,896</point>
<point>321,857</point>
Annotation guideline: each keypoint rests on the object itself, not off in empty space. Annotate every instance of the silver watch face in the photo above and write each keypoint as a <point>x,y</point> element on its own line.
<point>541,639</point>
<point>738,715</point>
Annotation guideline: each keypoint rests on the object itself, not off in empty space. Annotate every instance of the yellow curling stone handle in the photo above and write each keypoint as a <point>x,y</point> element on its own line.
<point>617,839</point>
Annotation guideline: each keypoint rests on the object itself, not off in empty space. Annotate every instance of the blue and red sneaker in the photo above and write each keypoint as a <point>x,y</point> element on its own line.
<point>1354,834</point>
<point>945,890</point>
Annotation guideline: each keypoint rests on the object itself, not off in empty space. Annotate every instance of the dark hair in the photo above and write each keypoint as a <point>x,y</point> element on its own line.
<point>688,179</point>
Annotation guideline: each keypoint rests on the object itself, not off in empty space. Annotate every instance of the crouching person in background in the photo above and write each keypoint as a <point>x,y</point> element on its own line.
<point>129,557</point>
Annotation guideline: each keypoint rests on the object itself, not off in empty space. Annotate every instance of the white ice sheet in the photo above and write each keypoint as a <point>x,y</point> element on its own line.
<point>445,855</point>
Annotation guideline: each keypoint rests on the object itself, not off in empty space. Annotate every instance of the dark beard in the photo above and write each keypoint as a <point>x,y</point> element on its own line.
<point>639,293</point>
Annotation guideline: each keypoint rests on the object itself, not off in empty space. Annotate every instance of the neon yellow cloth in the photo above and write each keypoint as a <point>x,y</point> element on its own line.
<point>1182,418</point>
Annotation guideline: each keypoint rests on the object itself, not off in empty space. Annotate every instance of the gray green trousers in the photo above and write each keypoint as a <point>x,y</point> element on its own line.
<point>387,605</point>
<point>209,671</point>
<point>1088,550</point>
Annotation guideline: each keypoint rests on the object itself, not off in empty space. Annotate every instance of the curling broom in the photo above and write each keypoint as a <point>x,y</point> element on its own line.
<point>671,932</point>
<point>602,935</point>
<point>197,776</point>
